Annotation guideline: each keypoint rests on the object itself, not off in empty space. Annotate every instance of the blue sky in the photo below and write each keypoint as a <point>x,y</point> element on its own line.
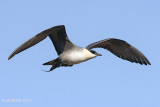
<point>105,81</point>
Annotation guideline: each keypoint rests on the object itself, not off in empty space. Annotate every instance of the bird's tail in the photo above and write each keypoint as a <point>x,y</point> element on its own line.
<point>55,63</point>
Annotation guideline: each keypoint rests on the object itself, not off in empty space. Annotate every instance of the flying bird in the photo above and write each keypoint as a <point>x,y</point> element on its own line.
<point>70,54</point>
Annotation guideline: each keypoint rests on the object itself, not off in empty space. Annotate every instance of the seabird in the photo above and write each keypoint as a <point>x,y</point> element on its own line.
<point>70,54</point>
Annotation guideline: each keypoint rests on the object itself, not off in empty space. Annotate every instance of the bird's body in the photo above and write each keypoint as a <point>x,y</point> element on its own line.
<point>76,55</point>
<point>70,54</point>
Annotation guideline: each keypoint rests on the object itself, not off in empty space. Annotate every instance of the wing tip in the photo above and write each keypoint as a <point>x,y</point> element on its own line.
<point>145,63</point>
<point>149,63</point>
<point>10,57</point>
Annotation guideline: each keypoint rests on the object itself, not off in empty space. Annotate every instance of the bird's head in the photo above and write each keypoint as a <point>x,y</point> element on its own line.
<point>95,53</point>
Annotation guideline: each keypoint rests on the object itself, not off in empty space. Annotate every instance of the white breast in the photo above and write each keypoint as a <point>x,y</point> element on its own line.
<point>77,56</point>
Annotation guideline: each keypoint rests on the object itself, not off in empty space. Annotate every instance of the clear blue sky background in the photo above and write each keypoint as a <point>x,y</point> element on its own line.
<point>105,81</point>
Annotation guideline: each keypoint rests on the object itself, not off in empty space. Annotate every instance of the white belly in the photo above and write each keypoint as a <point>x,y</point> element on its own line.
<point>75,57</point>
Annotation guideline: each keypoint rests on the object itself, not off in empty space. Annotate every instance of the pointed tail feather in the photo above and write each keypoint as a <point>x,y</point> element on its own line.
<point>50,62</point>
<point>55,63</point>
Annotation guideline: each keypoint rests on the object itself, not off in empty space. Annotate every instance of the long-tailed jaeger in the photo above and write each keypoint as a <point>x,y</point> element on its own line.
<point>70,54</point>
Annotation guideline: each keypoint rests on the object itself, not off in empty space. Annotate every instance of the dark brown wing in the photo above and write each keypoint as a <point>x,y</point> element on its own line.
<point>57,35</point>
<point>121,49</point>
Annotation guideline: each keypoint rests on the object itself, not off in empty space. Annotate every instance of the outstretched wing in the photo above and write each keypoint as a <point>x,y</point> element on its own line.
<point>57,35</point>
<point>122,49</point>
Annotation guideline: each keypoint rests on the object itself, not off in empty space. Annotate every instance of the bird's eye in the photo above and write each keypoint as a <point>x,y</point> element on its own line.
<point>93,52</point>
